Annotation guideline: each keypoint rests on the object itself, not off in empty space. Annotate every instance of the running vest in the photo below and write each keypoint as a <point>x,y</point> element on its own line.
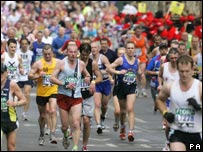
<point>44,87</point>
<point>140,51</point>
<point>101,66</point>
<point>12,65</point>
<point>154,79</point>
<point>84,85</point>
<point>186,118</point>
<point>8,114</point>
<point>130,76</point>
<point>67,76</point>
<point>167,75</point>
<point>26,62</point>
<point>37,50</point>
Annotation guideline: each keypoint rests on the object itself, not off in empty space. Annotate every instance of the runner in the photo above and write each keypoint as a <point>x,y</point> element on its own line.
<point>186,102</point>
<point>9,122</point>
<point>12,61</point>
<point>87,91</point>
<point>103,89</point>
<point>67,76</point>
<point>118,114</point>
<point>168,73</point>
<point>129,68</point>
<point>112,56</point>
<point>198,63</point>
<point>46,92</point>
<point>24,83</point>
<point>141,53</point>
<point>153,70</point>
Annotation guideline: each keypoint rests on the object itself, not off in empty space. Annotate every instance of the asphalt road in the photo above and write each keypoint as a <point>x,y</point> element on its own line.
<point>149,135</point>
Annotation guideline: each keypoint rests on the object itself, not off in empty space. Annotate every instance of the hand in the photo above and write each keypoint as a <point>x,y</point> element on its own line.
<point>123,71</point>
<point>87,79</point>
<point>11,103</point>
<point>192,102</point>
<point>21,71</point>
<point>170,117</point>
<point>42,73</point>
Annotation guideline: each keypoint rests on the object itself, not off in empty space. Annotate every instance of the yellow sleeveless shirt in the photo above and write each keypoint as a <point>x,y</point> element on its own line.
<point>44,87</point>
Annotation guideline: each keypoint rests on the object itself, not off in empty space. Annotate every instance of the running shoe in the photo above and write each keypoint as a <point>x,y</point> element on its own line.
<point>166,148</point>
<point>70,135</point>
<point>53,139</point>
<point>47,131</point>
<point>66,142</point>
<point>144,94</point>
<point>137,92</point>
<point>25,117</point>
<point>99,129</point>
<point>103,126</point>
<point>41,141</point>
<point>84,148</point>
<point>122,134</point>
<point>130,136</point>
<point>115,127</point>
<point>75,148</point>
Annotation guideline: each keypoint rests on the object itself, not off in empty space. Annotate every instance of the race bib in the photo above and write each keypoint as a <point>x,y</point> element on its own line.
<point>84,85</point>
<point>46,80</point>
<point>138,52</point>
<point>68,80</point>
<point>12,71</point>
<point>185,117</point>
<point>129,77</point>
<point>4,105</point>
<point>26,68</point>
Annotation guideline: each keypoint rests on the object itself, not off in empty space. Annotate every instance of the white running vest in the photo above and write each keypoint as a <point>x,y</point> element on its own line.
<point>186,118</point>
<point>167,75</point>
<point>12,65</point>
<point>26,62</point>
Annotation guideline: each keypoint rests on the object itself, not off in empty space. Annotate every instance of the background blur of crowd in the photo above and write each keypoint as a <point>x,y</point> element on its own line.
<point>92,19</point>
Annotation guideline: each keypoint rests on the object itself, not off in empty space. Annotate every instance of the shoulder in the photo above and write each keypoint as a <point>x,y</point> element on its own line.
<point>81,63</point>
<point>37,64</point>
<point>199,84</point>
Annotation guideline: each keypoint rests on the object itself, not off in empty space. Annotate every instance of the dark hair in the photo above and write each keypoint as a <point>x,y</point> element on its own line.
<point>24,38</point>
<point>3,68</point>
<point>173,51</point>
<point>185,59</point>
<point>11,41</point>
<point>182,44</point>
<point>163,46</point>
<point>85,47</point>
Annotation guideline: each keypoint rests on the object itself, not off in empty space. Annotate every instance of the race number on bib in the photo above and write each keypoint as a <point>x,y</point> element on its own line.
<point>46,80</point>
<point>84,85</point>
<point>4,105</point>
<point>129,78</point>
<point>185,117</point>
